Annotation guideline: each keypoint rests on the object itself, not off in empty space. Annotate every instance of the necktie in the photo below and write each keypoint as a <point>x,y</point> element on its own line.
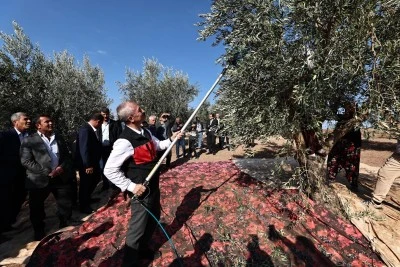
<point>98,135</point>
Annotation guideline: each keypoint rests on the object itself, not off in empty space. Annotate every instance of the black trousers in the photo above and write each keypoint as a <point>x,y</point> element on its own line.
<point>221,142</point>
<point>192,146</point>
<point>5,202</point>
<point>12,196</point>
<point>141,226</point>
<point>37,196</point>
<point>211,142</point>
<point>87,184</point>
<point>18,198</point>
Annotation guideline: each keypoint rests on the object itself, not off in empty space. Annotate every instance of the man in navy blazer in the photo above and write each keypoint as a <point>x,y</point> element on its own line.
<point>110,130</point>
<point>212,127</point>
<point>12,181</point>
<point>49,169</point>
<point>87,159</point>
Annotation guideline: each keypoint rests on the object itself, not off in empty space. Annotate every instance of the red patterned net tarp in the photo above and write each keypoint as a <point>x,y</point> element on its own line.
<point>217,216</point>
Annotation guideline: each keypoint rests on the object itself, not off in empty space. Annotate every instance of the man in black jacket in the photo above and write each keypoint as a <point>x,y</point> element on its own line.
<point>12,182</point>
<point>164,132</point>
<point>181,142</point>
<point>87,159</point>
<point>212,127</point>
<point>110,130</point>
<point>48,165</point>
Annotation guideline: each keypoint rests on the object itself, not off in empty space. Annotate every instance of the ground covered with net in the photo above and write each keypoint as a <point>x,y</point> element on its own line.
<point>217,216</point>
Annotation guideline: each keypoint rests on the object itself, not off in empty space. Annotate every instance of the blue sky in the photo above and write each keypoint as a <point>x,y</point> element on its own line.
<point>117,35</point>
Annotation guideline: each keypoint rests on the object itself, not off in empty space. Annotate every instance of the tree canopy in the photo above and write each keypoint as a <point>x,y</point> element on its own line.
<point>159,89</point>
<point>33,83</point>
<point>292,64</point>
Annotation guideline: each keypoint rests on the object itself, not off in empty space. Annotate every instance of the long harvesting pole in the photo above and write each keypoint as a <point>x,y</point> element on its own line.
<point>155,168</point>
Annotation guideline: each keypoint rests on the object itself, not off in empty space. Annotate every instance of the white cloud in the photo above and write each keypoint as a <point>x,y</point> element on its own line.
<point>102,52</point>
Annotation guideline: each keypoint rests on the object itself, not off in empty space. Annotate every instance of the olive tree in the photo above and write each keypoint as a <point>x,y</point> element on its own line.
<point>59,86</point>
<point>291,64</point>
<point>159,89</point>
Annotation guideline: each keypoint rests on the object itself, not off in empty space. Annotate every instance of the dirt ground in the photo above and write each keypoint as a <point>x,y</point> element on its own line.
<point>16,246</point>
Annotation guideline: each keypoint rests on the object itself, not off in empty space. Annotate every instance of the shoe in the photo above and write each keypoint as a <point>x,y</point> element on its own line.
<point>372,203</point>
<point>149,254</point>
<point>39,235</point>
<point>86,210</point>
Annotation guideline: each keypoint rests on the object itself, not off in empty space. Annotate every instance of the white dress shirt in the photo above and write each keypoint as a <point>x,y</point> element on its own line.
<point>122,150</point>
<point>105,133</point>
<point>21,136</point>
<point>52,148</point>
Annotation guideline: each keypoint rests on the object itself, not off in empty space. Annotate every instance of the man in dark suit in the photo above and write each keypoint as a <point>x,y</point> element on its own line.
<point>110,130</point>
<point>212,127</point>
<point>163,132</point>
<point>151,124</point>
<point>87,159</point>
<point>12,181</point>
<point>49,169</point>
<point>181,142</point>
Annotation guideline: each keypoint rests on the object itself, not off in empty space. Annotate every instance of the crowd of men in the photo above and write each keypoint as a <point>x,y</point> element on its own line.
<point>41,162</point>
<point>194,144</point>
<point>35,160</point>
